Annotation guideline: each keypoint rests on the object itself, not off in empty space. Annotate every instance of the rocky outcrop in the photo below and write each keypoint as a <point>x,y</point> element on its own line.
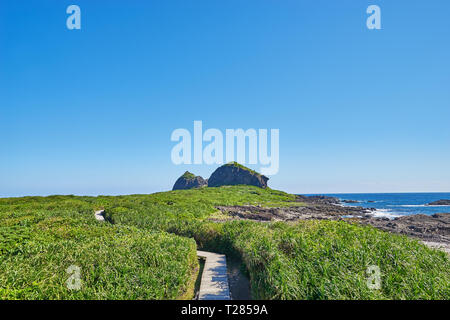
<point>234,173</point>
<point>440,203</point>
<point>430,228</point>
<point>189,181</point>
<point>310,211</point>
<point>317,199</point>
<point>350,201</point>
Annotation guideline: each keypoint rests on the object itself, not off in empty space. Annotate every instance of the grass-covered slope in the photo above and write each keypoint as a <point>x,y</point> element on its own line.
<point>41,237</point>
<point>329,260</point>
<point>303,260</point>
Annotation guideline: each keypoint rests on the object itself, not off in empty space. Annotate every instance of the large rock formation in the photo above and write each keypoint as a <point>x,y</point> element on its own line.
<point>188,181</point>
<point>234,173</point>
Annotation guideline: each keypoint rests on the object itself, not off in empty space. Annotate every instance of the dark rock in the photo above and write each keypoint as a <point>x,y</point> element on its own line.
<point>443,202</point>
<point>309,211</point>
<point>350,201</point>
<point>317,199</point>
<point>189,181</point>
<point>431,228</point>
<point>234,173</point>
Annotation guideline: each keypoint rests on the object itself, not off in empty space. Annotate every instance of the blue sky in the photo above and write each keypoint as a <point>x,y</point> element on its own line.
<point>91,111</point>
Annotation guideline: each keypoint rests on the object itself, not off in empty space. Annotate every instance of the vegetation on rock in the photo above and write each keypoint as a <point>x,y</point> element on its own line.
<point>188,181</point>
<point>234,173</point>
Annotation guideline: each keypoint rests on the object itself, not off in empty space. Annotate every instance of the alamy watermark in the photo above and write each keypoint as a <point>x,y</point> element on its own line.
<point>74,280</point>
<point>74,20</point>
<point>374,277</point>
<point>190,149</point>
<point>374,20</point>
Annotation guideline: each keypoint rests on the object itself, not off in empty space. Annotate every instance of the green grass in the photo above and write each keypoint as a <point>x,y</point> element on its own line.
<point>41,237</point>
<point>238,165</point>
<point>188,175</point>
<point>129,257</point>
<point>329,259</point>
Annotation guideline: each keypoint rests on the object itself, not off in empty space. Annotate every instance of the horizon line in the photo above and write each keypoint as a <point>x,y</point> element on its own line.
<point>129,194</point>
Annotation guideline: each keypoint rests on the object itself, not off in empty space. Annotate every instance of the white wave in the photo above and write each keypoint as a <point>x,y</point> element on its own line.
<point>384,213</point>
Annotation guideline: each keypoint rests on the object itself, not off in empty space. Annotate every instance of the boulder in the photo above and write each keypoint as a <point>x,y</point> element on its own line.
<point>189,181</point>
<point>234,173</point>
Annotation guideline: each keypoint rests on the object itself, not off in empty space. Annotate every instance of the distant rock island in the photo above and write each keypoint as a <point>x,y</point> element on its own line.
<point>189,181</point>
<point>231,173</point>
<point>444,202</point>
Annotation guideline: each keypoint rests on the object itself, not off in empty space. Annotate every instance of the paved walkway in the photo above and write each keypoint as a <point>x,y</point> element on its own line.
<point>214,285</point>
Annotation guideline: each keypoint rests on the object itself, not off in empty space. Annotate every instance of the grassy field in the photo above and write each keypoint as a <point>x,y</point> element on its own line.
<point>41,237</point>
<point>146,250</point>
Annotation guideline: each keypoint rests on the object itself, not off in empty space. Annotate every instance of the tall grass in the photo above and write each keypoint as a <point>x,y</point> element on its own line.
<point>148,251</point>
<point>40,239</point>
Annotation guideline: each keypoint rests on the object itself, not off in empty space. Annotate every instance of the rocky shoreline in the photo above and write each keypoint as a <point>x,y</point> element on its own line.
<point>315,207</point>
<point>433,230</point>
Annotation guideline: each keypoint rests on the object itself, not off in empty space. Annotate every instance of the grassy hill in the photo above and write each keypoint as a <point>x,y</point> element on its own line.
<point>146,250</point>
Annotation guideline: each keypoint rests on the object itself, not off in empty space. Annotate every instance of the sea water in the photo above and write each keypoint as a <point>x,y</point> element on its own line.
<point>396,204</point>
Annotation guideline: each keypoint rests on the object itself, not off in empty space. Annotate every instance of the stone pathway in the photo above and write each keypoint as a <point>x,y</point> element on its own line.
<point>214,283</point>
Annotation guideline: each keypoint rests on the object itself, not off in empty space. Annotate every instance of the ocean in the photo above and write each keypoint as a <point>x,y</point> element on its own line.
<point>392,205</point>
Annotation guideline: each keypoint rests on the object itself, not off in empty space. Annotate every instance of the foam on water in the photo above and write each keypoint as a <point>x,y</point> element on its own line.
<point>392,205</point>
<point>384,213</point>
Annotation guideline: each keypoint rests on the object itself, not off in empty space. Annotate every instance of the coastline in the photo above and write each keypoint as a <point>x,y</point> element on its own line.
<point>432,230</point>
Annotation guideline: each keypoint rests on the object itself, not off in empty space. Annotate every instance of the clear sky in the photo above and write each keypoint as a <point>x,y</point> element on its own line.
<point>91,111</point>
